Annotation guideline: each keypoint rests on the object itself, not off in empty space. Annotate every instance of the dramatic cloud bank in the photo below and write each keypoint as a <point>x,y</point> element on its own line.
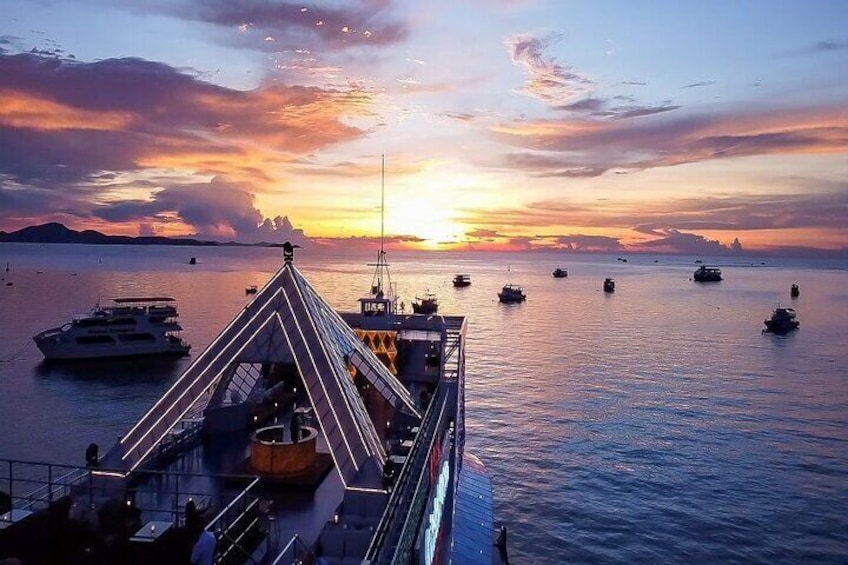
<point>68,130</point>
<point>591,147</point>
<point>215,210</point>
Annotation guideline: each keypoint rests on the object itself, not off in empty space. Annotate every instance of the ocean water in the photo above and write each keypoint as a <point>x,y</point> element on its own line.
<point>654,425</point>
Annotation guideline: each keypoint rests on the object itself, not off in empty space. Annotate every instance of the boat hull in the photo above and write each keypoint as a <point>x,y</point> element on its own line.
<point>780,328</point>
<point>53,352</point>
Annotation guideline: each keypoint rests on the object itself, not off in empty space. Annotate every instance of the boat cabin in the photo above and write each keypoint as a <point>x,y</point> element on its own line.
<point>461,280</point>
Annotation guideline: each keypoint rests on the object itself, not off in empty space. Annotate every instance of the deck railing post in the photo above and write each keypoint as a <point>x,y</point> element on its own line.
<point>11,496</point>
<point>176,498</point>
<point>50,483</point>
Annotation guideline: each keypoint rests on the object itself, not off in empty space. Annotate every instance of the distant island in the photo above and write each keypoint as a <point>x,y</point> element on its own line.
<point>57,233</point>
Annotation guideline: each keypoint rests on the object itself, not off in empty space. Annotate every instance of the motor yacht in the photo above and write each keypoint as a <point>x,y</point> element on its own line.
<point>707,274</point>
<point>461,280</point>
<point>127,328</point>
<point>512,293</point>
<point>782,321</point>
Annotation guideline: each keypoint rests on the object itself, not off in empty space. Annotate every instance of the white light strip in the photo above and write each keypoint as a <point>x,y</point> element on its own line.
<point>366,489</point>
<point>115,474</point>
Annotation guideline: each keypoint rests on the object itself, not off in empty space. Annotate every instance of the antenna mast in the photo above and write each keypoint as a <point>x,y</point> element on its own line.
<point>382,200</point>
<point>382,267</point>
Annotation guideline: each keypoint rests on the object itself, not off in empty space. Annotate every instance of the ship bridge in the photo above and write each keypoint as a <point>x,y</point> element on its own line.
<point>286,324</point>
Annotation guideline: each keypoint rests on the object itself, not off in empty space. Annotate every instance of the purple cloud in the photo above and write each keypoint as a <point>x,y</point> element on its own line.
<point>588,243</point>
<point>699,84</point>
<point>112,114</point>
<point>216,210</point>
<point>571,143</point>
<point>483,233</point>
<point>674,241</point>
<point>277,25</point>
<point>600,107</point>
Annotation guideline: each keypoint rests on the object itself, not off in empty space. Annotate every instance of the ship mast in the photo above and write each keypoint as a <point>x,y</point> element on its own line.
<point>382,204</point>
<point>378,290</point>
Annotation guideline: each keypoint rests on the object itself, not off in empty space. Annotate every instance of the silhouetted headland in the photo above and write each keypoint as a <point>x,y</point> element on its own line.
<point>55,232</point>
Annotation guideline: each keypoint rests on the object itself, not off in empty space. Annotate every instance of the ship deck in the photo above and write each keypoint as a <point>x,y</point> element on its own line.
<point>364,493</point>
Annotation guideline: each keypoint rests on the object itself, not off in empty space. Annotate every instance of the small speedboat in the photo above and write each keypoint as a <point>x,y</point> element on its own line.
<point>559,273</point>
<point>461,281</point>
<point>782,321</point>
<point>251,289</point>
<point>609,285</point>
<point>512,293</point>
<point>794,292</point>
<point>192,261</point>
<point>427,304</point>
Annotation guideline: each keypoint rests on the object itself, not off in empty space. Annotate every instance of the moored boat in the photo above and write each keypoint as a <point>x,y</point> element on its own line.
<point>707,274</point>
<point>609,285</point>
<point>461,280</point>
<point>427,304</point>
<point>511,293</point>
<point>252,289</point>
<point>794,291</point>
<point>783,320</point>
<point>559,273</point>
<point>129,327</point>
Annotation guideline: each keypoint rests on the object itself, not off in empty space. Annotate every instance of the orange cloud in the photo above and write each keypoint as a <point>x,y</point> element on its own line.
<point>19,109</point>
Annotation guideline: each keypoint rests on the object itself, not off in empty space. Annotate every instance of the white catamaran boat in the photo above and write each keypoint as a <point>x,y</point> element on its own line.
<point>128,328</point>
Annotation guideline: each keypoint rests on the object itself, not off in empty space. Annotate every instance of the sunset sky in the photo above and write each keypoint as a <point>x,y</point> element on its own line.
<point>506,124</point>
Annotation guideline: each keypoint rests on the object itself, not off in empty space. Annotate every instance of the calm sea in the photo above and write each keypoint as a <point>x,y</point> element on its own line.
<point>655,425</point>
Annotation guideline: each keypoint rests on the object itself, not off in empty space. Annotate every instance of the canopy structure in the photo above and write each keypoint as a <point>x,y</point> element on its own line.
<point>286,322</point>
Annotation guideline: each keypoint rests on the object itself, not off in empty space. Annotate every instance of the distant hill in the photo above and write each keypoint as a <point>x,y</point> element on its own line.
<point>58,233</point>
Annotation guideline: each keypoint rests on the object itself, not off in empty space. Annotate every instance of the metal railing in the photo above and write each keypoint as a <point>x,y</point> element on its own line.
<point>158,495</point>
<point>239,528</point>
<point>407,488</point>
<point>293,552</point>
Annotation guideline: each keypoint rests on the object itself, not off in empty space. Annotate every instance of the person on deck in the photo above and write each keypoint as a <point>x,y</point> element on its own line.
<point>203,550</point>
